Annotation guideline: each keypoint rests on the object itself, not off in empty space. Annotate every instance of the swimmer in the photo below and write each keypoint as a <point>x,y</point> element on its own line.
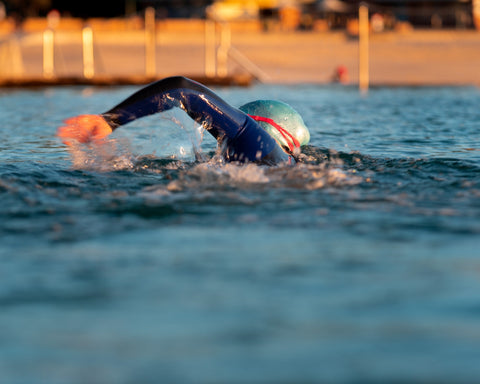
<point>263,131</point>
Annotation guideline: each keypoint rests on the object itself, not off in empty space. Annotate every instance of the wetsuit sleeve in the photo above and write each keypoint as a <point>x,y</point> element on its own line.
<point>245,139</point>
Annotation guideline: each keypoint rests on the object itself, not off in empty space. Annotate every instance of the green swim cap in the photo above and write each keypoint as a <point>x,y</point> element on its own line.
<point>283,115</point>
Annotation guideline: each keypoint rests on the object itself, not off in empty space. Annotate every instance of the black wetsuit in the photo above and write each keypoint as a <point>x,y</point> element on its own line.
<point>245,140</point>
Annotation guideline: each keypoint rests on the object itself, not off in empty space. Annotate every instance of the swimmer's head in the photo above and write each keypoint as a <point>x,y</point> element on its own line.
<point>266,111</point>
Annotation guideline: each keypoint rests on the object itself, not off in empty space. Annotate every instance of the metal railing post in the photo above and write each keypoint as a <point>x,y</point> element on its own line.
<point>363,47</point>
<point>223,49</point>
<point>150,43</point>
<point>88,58</point>
<point>48,54</point>
<point>210,49</point>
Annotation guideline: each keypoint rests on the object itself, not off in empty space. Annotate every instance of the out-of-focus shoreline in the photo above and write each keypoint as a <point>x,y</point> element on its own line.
<point>406,57</point>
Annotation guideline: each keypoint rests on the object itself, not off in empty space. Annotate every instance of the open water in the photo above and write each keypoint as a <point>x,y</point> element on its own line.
<point>148,261</point>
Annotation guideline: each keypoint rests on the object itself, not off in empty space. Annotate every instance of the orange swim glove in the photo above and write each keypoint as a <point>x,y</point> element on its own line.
<point>84,129</point>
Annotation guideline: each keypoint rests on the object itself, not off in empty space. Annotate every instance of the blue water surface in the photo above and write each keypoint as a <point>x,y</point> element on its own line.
<point>148,260</point>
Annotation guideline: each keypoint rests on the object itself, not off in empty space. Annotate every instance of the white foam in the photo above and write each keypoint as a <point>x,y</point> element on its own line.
<point>109,155</point>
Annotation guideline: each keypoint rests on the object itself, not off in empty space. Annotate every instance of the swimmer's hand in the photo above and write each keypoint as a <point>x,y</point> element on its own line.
<point>84,129</point>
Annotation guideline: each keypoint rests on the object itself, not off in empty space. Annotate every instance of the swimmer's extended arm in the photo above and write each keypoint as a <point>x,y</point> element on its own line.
<point>246,140</point>
<point>199,102</point>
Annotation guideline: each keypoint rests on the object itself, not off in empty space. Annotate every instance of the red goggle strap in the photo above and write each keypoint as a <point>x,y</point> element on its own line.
<point>285,134</point>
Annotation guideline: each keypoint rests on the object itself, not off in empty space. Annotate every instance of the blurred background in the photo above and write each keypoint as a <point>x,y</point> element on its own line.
<point>411,41</point>
<point>295,14</point>
<point>134,263</point>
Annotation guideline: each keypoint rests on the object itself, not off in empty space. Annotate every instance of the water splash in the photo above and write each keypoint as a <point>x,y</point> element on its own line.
<point>110,155</point>
<point>195,178</point>
<point>122,150</point>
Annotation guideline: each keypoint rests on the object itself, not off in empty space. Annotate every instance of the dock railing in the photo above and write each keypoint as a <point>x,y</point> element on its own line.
<point>219,48</point>
<point>218,53</point>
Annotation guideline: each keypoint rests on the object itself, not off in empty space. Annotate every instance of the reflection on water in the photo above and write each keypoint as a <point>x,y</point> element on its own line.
<point>148,259</point>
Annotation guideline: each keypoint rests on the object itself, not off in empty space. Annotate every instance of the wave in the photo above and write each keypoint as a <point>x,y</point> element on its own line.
<point>49,200</point>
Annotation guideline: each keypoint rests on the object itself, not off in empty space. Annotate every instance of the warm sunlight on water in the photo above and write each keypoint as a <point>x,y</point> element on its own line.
<point>136,263</point>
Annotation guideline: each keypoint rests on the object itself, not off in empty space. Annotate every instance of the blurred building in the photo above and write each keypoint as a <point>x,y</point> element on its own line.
<point>419,13</point>
<point>115,8</point>
<point>337,13</point>
<point>284,14</point>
